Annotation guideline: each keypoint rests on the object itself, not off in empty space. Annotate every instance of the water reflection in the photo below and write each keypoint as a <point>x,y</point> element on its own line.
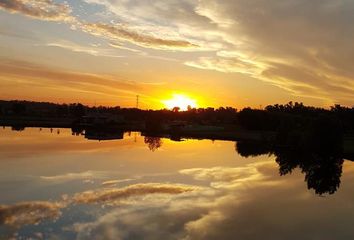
<point>153,143</point>
<point>320,160</point>
<point>65,187</point>
<point>103,135</point>
<point>18,128</point>
<point>322,169</point>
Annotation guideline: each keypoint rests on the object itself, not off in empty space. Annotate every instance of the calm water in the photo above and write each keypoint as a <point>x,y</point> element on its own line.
<point>58,186</point>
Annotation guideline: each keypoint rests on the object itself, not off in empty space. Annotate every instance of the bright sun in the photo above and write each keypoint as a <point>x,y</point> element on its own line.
<point>181,101</point>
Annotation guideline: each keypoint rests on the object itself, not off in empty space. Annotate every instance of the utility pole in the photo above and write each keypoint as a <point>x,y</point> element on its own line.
<point>137,101</point>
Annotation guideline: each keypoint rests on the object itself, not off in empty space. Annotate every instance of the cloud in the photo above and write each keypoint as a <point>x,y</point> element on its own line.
<point>300,46</point>
<point>225,177</point>
<point>39,9</point>
<point>142,222</point>
<point>156,14</point>
<point>175,19</point>
<point>269,208</point>
<point>48,10</point>
<point>261,205</point>
<point>248,202</point>
<point>115,182</point>
<point>228,65</point>
<point>29,213</point>
<point>94,51</point>
<point>123,33</point>
<point>35,212</point>
<point>75,176</point>
<point>37,75</point>
<point>112,196</point>
<point>120,46</point>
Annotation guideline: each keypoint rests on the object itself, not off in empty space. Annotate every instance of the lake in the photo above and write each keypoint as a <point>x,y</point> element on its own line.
<point>59,185</point>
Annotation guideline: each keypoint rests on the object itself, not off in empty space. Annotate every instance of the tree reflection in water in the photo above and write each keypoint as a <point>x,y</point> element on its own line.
<point>153,143</point>
<point>322,167</point>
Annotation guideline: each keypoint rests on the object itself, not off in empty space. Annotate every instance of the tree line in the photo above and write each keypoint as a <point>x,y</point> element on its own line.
<point>282,118</point>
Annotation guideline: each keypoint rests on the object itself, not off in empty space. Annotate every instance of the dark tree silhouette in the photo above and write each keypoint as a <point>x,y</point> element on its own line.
<point>320,158</point>
<point>252,148</point>
<point>77,109</point>
<point>176,109</point>
<point>153,143</point>
<point>18,108</point>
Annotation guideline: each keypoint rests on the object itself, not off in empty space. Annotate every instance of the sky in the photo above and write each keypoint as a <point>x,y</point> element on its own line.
<point>235,53</point>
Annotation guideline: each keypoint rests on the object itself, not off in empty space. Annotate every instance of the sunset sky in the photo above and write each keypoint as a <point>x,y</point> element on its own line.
<point>218,53</point>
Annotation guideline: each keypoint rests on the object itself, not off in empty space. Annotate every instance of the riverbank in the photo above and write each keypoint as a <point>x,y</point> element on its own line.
<point>222,132</point>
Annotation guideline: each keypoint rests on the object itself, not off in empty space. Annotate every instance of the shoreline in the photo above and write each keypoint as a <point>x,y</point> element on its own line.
<point>223,133</point>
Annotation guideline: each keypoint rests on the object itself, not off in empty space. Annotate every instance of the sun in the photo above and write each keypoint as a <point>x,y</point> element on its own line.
<point>181,101</point>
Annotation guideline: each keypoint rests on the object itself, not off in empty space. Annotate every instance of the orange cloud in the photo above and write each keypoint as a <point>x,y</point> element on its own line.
<point>39,9</point>
<point>29,213</point>
<point>111,196</point>
<point>123,33</point>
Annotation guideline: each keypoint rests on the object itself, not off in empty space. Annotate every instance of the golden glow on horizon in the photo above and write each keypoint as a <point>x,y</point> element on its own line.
<point>180,100</point>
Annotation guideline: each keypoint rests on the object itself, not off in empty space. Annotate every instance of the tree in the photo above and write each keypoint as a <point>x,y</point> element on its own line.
<point>176,109</point>
<point>19,108</point>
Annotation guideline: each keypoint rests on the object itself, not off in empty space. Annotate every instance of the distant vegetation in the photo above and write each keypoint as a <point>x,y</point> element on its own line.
<point>322,167</point>
<point>284,119</point>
